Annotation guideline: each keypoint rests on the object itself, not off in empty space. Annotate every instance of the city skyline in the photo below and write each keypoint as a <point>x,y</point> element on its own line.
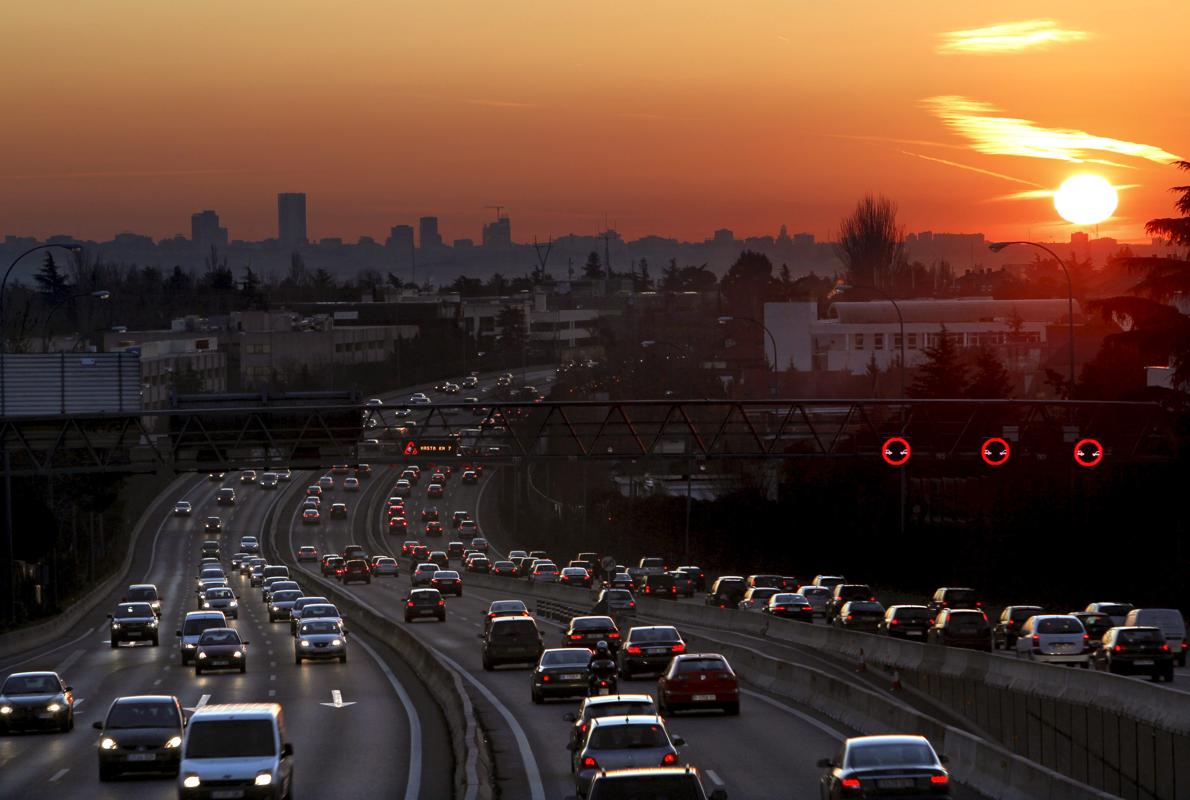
<point>673,124</point>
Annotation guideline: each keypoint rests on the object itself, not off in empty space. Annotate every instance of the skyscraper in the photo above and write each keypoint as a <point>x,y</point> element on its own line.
<point>428,235</point>
<point>205,232</point>
<point>291,218</point>
<point>400,240</point>
<point>498,233</point>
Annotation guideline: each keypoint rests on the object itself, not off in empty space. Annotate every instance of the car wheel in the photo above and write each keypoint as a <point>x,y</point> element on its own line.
<point>106,773</point>
<point>197,670</point>
<point>297,659</point>
<point>115,643</point>
<point>156,641</point>
<point>536,697</point>
<point>343,658</point>
<point>732,709</point>
<point>488,666</point>
<point>408,618</point>
<point>1182,660</point>
<point>442,617</point>
<point>243,668</point>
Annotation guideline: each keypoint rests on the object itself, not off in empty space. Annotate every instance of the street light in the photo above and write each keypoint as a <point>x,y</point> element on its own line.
<point>841,288</point>
<point>772,339</point>
<point>72,247</point>
<point>996,247</point>
<point>98,294</point>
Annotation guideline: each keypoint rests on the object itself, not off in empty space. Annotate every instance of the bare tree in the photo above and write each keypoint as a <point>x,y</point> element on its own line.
<point>870,242</point>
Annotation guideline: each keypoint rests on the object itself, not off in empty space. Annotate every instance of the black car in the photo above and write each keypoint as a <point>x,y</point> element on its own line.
<point>844,593</point>
<point>36,700</point>
<point>425,603</point>
<point>860,615</point>
<point>698,578</point>
<point>511,640</point>
<point>789,605</point>
<point>905,622</point>
<point>356,570</point>
<point>590,631</point>
<point>661,586</point>
<point>885,766</point>
<point>1005,632</point>
<point>1135,650</point>
<point>651,782</point>
<point>213,525</point>
<point>961,628</point>
<point>133,622</point>
<point>560,672</point>
<point>727,591</point>
<point>447,580</point>
<point>649,649</point>
<point>140,734</point>
<point>953,597</point>
<point>1095,623</point>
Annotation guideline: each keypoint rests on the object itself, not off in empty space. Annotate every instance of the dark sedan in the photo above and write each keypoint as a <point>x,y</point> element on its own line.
<point>905,622</point>
<point>789,605</point>
<point>885,766</point>
<point>860,615</point>
<point>425,603</point>
<point>36,700</point>
<point>590,631</point>
<point>561,672</point>
<point>220,648</point>
<point>133,622</point>
<point>649,649</point>
<point>140,734</point>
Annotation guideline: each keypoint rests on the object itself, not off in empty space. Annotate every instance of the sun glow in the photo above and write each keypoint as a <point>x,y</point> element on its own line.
<point>1086,199</point>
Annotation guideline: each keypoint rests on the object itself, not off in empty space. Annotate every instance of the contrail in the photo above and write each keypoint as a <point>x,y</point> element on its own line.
<point>973,169</point>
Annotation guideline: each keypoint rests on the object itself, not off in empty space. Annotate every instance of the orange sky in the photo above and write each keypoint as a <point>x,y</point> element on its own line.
<point>672,117</point>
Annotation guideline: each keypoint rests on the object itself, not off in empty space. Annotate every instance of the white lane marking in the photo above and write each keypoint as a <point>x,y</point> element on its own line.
<point>78,701</point>
<point>337,700</point>
<point>803,716</point>
<point>272,677</point>
<point>79,638</point>
<point>272,692</point>
<point>58,775</point>
<point>68,662</point>
<point>714,776</point>
<point>202,701</point>
<point>157,682</point>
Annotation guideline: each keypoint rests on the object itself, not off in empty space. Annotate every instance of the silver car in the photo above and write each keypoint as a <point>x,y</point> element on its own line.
<point>320,638</point>
<point>622,743</point>
<point>295,612</point>
<point>221,598</point>
<point>818,597</point>
<point>281,603</point>
<point>386,565</point>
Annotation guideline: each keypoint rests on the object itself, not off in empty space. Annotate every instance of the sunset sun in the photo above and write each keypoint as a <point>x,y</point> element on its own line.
<point>1086,199</point>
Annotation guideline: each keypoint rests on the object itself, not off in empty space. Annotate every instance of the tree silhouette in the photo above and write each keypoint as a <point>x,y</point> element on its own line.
<point>593,269</point>
<point>943,374</point>
<point>748,281</point>
<point>870,242</point>
<point>323,280</point>
<point>991,379</point>
<point>50,280</point>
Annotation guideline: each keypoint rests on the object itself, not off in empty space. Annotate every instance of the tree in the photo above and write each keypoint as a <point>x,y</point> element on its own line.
<point>323,281</point>
<point>943,374</point>
<point>786,277</point>
<point>990,380</point>
<point>671,277</point>
<point>297,276</point>
<point>642,281</point>
<point>748,281</point>
<point>250,290</point>
<point>593,269</point>
<point>51,281</point>
<point>870,242</point>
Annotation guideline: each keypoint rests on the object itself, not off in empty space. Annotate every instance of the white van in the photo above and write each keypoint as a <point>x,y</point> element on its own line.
<point>240,748</point>
<point>1170,621</point>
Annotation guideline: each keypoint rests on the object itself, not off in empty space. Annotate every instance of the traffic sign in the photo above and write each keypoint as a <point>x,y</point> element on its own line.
<point>995,452</point>
<point>895,451</point>
<point>1088,453</point>
<point>609,563</point>
<point>424,447</point>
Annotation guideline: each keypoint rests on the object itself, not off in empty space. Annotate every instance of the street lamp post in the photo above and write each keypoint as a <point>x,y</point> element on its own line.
<point>772,339</point>
<point>72,248</point>
<point>99,294</point>
<point>843,287</point>
<point>996,247</point>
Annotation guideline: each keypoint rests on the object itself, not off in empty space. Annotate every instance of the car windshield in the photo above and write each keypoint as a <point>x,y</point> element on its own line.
<point>320,611</point>
<point>900,754</point>
<point>786,597</point>
<point>763,594</point>
<point>912,614</point>
<point>622,595</point>
<point>512,630</point>
<point>241,738</point>
<point>967,618</point>
<point>654,635</point>
<point>219,594</point>
<point>627,737</point>
<point>142,594</point>
<point>1022,613</point>
<point>446,574</point>
<point>219,637</point>
<point>592,624</point>
<point>866,609</point>
<point>134,610</point>
<point>1059,625</point>
<point>960,597</point>
<point>815,591</point>
<point>773,581</point>
<point>691,665</point>
<point>320,626</point>
<point>143,715</point>
<point>31,684</point>
<point>652,563</point>
<point>286,595</point>
<point>619,709</point>
<point>213,572</point>
<point>1141,635</point>
<point>507,605</point>
<point>193,627</point>
<point>647,787</point>
<point>568,657</point>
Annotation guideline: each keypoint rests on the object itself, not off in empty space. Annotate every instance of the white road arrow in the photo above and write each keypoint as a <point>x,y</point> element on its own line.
<point>337,700</point>
<point>202,701</point>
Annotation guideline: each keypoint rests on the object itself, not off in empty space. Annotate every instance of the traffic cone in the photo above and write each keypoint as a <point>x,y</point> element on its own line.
<point>863,664</point>
<point>896,681</point>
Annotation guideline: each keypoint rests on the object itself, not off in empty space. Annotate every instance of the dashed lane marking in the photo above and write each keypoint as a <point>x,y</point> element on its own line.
<point>58,775</point>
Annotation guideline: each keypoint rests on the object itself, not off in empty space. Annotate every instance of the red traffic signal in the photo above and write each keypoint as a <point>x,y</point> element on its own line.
<point>1088,453</point>
<point>995,452</point>
<point>895,451</point>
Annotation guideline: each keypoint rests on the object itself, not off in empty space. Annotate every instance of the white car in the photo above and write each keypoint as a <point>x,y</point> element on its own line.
<point>419,399</point>
<point>402,488</point>
<point>326,482</point>
<point>182,508</point>
<point>1054,639</point>
<point>818,596</point>
<point>351,484</point>
<point>374,402</point>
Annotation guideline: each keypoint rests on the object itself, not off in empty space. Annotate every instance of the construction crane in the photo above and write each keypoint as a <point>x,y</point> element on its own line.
<point>498,210</point>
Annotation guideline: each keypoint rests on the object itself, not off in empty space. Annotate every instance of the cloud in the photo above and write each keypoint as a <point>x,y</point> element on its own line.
<point>1008,37</point>
<point>1008,136</point>
<point>970,168</point>
<point>1044,194</point>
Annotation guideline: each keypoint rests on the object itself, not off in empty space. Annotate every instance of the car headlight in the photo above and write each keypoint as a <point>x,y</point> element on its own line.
<point>174,741</point>
<point>191,782</point>
<point>205,604</point>
<point>152,623</point>
<point>336,642</point>
<point>156,604</point>
<point>107,743</point>
<point>188,646</point>
<point>238,654</point>
<point>305,643</point>
<point>115,626</point>
<point>233,604</point>
<point>54,708</point>
<point>276,607</point>
<point>264,779</point>
<point>201,654</point>
<point>5,709</point>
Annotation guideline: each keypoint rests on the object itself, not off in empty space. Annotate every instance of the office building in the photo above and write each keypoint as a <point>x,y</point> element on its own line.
<point>428,235</point>
<point>498,233</point>
<point>205,232</point>
<point>291,218</point>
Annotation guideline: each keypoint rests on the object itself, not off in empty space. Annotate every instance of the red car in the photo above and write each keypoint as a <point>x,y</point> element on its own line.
<point>433,528</point>
<point>696,681</point>
<point>398,524</point>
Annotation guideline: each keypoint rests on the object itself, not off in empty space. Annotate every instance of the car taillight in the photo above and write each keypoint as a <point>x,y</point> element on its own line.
<point>633,649</point>
<point>545,678</point>
<point>574,637</point>
<point>613,635</point>
<point>871,599</point>
<point>1185,645</point>
<point>1036,638</point>
<point>668,760</point>
<point>409,604</point>
<point>939,780</point>
<point>1165,647</point>
<point>441,602</point>
<point>589,763</point>
<point>894,621</point>
<point>851,783</point>
<point>1119,648</point>
<point>849,617</point>
<point>678,648</point>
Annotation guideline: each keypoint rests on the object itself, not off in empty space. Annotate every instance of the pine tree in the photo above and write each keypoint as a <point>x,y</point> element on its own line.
<point>943,375</point>
<point>786,277</point>
<point>51,280</point>
<point>323,280</point>
<point>671,277</point>
<point>593,269</point>
<point>991,380</point>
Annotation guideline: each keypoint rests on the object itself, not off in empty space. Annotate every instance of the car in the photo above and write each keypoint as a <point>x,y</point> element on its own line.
<point>248,476</point>
<point>213,525</point>
<point>425,603</point>
<point>182,508</point>
<point>351,484</point>
<point>141,733</point>
<point>765,582</point>
<point>588,631</point>
<point>468,529</point>
<point>354,571</point>
<point>470,476</point>
<point>314,490</point>
<point>36,700</point>
<point>354,551</point>
<point>905,622</point>
<point>1117,611</point>
<point>828,581</point>
<point>727,591</point>
<point>481,544</point>
<point>860,615</point>
<point>504,608</point>
<point>756,598</point>
<point>281,603</point>
<point>884,766</point>
<point>683,782</point>
<point>214,476</point>
<point>504,569</point>
<point>455,549</point>
<point>225,496</point>
<point>236,749</point>
<point>697,681</point>
<point>511,640</point>
<point>618,742</point>
<point>221,598</point>
<point>249,544</point>
<point>306,611</point>
<point>312,502</point>
<point>433,528</point>
<point>210,549</point>
<point>1094,623</point>
<point>143,593</point>
<point>575,576</point>
<point>790,584</point>
<point>560,672</point>
<point>133,621</point>
<point>193,625</point>
<point>439,477</point>
<point>332,565</point>
<point>477,562</point>
<point>275,584</point>
<point>819,597</point>
<point>1008,626</point>
<point>320,639</point>
<point>953,597</point>
<point>398,525</point>
<point>440,558</point>
<point>1171,623</point>
<point>407,546</point>
<point>597,706</point>
<point>846,592</point>
<point>789,605</point>
<point>295,611</point>
<point>284,474</point>
<point>1134,650</point>
<point>208,574</point>
<point>311,516</point>
<point>616,601</point>
<point>386,565</point>
<point>363,470</point>
<point>435,490</point>
<point>649,649</point>
<point>327,482</point>
<point>514,554</point>
<point>248,563</point>
<point>307,552</point>
<point>967,628</point>
<point>447,580</point>
<point>698,578</point>
<point>458,516</point>
<point>237,561</point>
<point>544,572</point>
<point>256,572</point>
<point>1054,639</point>
<point>430,513</point>
<point>338,511</point>
<point>620,580</point>
<point>418,554</point>
<point>269,480</point>
<point>423,574</point>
